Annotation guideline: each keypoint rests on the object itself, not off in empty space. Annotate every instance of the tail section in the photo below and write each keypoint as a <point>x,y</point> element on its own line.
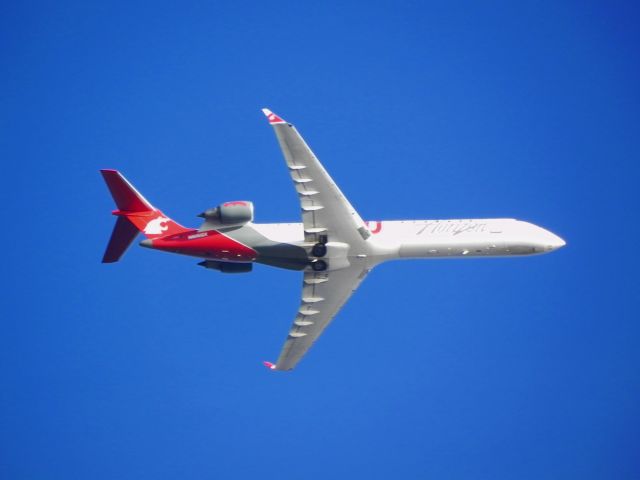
<point>124,232</point>
<point>135,214</point>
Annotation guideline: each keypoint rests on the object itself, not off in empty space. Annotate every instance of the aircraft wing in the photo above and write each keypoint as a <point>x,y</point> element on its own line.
<point>325,212</point>
<point>323,295</point>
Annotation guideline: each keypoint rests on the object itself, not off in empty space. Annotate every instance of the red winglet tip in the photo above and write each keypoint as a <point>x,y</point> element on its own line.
<point>269,365</point>
<point>272,117</point>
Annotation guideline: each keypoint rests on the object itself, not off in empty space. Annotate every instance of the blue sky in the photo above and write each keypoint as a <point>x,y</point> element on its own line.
<point>522,368</point>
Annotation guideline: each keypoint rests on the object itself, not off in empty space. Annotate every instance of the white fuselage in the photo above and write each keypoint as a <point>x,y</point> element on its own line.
<point>408,239</point>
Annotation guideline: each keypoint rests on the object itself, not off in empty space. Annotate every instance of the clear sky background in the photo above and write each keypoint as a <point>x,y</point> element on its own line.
<point>524,368</point>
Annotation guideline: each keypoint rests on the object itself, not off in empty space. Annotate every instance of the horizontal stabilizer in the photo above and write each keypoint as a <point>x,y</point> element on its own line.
<point>124,232</point>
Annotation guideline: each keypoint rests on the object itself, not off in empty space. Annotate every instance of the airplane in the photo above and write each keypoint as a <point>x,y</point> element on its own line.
<point>333,247</point>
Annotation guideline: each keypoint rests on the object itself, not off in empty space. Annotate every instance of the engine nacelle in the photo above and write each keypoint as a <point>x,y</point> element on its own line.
<point>229,213</point>
<point>227,267</point>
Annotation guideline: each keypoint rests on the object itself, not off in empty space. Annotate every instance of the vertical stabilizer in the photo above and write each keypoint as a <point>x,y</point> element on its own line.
<point>135,214</point>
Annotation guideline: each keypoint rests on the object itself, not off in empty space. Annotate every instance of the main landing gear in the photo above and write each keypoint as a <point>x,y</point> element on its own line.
<point>319,250</point>
<point>318,265</point>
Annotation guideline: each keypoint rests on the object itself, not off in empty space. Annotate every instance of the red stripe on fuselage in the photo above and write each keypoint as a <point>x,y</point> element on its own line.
<point>211,245</point>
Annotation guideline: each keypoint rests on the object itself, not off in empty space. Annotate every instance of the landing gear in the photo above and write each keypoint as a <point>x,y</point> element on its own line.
<point>318,265</point>
<point>319,250</point>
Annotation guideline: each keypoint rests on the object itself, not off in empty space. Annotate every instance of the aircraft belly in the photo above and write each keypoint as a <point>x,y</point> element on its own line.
<point>451,248</point>
<point>273,251</point>
<point>280,232</point>
<point>211,245</point>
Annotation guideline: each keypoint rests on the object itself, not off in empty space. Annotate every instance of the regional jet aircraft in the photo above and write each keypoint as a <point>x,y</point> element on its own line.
<point>333,247</point>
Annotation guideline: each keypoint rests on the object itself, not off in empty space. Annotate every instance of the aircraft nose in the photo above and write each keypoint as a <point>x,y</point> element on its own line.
<point>554,242</point>
<point>559,242</point>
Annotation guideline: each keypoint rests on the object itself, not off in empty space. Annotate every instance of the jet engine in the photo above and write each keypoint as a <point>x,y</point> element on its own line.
<point>227,267</point>
<point>228,214</point>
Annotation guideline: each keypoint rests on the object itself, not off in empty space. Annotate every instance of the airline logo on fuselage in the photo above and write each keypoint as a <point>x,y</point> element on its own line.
<point>453,227</point>
<point>376,229</point>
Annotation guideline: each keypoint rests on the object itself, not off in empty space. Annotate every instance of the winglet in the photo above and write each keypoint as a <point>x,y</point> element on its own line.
<point>272,117</point>
<point>269,365</point>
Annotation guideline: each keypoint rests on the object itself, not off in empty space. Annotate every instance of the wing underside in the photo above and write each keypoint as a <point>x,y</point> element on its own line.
<point>323,295</point>
<point>325,209</point>
<point>327,217</point>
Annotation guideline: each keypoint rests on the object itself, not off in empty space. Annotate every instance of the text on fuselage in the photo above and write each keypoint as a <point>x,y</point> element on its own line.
<point>452,227</point>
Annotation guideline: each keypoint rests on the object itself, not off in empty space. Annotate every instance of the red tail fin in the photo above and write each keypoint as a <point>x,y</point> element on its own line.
<point>123,234</point>
<point>125,195</point>
<point>135,214</point>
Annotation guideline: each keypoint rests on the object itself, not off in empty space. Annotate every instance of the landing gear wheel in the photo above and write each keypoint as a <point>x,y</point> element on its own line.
<point>319,250</point>
<point>319,266</point>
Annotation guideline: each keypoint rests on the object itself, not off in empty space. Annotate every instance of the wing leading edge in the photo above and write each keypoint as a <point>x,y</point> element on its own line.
<point>325,209</point>
<point>325,212</point>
